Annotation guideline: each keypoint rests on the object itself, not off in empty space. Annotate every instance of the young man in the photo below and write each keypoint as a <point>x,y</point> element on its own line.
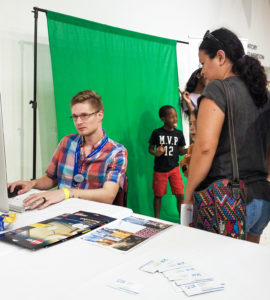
<point>86,165</point>
<point>166,144</point>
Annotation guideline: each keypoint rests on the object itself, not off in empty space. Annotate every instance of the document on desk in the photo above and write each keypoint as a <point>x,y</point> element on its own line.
<point>183,276</point>
<point>126,286</point>
<point>55,230</point>
<point>125,234</point>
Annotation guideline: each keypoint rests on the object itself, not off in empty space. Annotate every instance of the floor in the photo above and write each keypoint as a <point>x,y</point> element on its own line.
<point>265,238</point>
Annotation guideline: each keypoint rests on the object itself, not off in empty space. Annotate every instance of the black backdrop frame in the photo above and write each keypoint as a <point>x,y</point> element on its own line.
<point>36,10</point>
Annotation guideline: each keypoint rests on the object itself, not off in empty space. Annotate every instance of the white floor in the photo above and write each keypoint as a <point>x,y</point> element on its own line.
<point>265,238</point>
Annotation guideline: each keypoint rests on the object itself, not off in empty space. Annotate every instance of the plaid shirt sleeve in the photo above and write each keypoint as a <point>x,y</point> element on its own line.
<point>117,168</point>
<point>53,166</point>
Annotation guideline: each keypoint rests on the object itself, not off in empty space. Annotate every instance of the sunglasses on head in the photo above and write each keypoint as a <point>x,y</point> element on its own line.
<point>209,35</point>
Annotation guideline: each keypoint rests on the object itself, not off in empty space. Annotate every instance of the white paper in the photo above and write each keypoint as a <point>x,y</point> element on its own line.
<point>181,273</point>
<point>126,286</point>
<point>202,287</point>
<point>171,264</point>
<point>152,266</point>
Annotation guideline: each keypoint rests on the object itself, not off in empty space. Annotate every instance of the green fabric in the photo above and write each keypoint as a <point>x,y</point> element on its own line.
<point>135,74</point>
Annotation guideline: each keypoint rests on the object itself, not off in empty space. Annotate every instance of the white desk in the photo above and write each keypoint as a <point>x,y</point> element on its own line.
<point>78,270</point>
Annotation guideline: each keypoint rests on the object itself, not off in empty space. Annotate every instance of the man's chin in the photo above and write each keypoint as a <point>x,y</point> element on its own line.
<point>82,132</point>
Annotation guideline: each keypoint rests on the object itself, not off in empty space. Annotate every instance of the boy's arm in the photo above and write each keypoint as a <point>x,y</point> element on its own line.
<point>151,149</point>
<point>159,150</point>
<point>181,144</point>
<point>182,151</point>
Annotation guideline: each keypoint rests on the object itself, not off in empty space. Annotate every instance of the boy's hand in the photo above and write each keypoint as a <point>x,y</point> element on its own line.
<point>160,150</point>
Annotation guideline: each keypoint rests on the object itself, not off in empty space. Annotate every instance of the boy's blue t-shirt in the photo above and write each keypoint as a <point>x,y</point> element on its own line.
<point>171,141</point>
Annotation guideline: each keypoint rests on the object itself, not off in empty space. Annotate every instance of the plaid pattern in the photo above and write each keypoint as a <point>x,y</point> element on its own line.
<point>109,164</point>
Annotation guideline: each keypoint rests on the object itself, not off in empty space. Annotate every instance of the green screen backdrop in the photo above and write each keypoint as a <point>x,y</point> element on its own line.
<point>135,74</point>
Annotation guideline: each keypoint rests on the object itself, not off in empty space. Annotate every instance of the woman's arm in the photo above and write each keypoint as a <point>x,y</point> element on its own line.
<point>209,124</point>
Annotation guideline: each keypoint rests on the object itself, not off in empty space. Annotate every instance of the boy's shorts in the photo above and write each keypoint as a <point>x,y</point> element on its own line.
<point>160,182</point>
<point>257,216</point>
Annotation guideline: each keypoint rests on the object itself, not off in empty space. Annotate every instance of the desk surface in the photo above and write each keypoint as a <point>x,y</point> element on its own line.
<point>79,270</point>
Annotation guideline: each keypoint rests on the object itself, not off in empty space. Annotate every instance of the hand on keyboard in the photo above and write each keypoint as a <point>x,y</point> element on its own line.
<point>44,199</point>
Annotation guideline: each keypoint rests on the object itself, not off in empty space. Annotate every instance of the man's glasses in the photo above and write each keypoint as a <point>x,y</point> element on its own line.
<point>209,35</point>
<point>83,117</point>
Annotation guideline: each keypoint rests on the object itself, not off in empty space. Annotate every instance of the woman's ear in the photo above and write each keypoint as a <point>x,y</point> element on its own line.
<point>221,57</point>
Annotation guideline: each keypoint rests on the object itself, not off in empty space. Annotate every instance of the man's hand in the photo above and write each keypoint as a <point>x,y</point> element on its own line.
<point>160,150</point>
<point>25,186</point>
<point>42,200</point>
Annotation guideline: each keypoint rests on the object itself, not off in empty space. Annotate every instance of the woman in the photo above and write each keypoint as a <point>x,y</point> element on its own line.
<point>222,57</point>
<point>194,87</point>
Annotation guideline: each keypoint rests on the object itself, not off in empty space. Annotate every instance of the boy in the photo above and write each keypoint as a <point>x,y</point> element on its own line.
<point>166,144</point>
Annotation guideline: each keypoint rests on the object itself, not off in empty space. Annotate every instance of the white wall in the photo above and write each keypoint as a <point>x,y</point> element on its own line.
<point>176,19</point>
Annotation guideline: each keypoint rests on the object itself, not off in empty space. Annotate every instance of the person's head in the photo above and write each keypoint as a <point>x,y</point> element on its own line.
<point>195,85</point>
<point>222,54</point>
<point>87,112</point>
<point>193,124</point>
<point>168,116</point>
<point>195,82</point>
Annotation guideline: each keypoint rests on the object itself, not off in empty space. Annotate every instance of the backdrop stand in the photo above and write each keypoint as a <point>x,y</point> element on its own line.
<point>34,101</point>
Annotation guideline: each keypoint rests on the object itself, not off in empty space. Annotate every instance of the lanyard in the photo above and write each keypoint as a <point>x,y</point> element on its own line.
<point>77,156</point>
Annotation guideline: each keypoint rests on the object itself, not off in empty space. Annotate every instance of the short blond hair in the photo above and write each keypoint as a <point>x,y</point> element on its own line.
<point>91,97</point>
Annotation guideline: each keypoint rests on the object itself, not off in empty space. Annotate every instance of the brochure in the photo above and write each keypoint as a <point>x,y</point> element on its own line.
<point>55,230</point>
<point>125,234</point>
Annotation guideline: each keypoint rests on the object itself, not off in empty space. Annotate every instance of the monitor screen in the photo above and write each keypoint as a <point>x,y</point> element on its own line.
<point>4,206</point>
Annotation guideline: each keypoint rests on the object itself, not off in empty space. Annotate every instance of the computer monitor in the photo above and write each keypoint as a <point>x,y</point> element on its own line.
<point>4,205</point>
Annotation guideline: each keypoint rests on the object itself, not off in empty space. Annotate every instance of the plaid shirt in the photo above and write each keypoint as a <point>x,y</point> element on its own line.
<point>109,164</point>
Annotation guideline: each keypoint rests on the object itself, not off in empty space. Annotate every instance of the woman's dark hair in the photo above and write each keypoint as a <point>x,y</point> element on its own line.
<point>193,81</point>
<point>248,68</point>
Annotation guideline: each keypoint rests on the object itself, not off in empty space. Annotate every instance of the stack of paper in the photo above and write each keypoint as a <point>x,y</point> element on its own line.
<point>183,276</point>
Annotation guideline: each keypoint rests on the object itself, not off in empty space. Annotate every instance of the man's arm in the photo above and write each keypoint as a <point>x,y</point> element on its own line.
<point>106,194</point>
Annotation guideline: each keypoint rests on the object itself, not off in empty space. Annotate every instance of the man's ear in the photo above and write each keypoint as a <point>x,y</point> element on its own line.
<point>221,57</point>
<point>101,114</point>
<point>162,119</point>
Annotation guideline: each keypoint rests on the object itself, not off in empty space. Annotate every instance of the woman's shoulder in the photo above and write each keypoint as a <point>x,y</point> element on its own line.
<point>215,91</point>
